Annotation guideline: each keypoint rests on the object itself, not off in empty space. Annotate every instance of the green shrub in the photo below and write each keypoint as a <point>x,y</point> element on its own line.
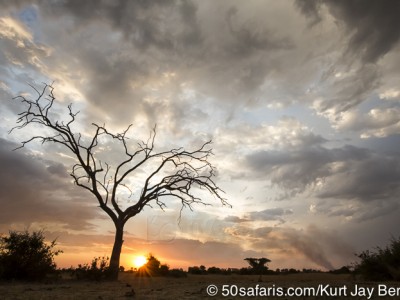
<point>25,256</point>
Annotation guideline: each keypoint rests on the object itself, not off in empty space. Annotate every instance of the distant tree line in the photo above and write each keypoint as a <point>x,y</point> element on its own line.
<point>202,270</point>
<point>27,256</point>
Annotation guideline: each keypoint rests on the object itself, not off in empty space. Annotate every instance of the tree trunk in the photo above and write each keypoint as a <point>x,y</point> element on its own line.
<point>116,252</point>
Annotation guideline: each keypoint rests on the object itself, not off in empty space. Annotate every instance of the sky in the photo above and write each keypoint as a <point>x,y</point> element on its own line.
<point>301,100</point>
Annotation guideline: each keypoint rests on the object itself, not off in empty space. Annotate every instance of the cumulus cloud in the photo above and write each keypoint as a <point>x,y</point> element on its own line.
<point>378,122</point>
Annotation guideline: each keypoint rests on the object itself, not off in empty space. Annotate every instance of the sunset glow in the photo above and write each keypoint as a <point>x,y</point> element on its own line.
<point>139,261</point>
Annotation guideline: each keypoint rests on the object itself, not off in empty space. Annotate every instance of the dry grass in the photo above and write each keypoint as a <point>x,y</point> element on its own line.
<point>192,287</point>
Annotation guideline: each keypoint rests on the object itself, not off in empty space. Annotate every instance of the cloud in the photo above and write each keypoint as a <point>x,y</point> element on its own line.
<point>323,248</point>
<point>181,41</point>
<point>343,173</point>
<point>246,40</point>
<point>361,61</point>
<point>378,211</point>
<point>356,212</point>
<point>371,25</point>
<point>343,91</point>
<point>19,49</point>
<point>34,193</point>
<point>378,122</point>
<point>294,170</point>
<point>234,219</point>
<point>286,133</point>
<point>373,178</point>
<point>270,214</point>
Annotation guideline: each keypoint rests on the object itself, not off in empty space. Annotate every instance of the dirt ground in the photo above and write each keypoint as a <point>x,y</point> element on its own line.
<point>195,287</point>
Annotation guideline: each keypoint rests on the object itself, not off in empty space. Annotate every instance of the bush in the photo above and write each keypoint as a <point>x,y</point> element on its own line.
<point>26,256</point>
<point>97,270</point>
<point>154,268</point>
<point>384,264</point>
<point>195,270</point>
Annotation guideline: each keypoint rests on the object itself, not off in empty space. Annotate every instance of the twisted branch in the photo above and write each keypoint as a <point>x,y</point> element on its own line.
<point>181,171</point>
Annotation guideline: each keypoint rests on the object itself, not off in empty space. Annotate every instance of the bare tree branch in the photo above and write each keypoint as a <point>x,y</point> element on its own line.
<point>176,172</point>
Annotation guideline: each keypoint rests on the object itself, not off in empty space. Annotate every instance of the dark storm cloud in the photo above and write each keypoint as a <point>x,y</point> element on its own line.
<point>128,49</point>
<point>379,210</point>
<point>145,23</point>
<point>247,40</point>
<point>344,92</point>
<point>122,70</point>
<point>373,178</point>
<point>369,30</point>
<point>31,192</point>
<point>296,169</point>
<point>343,173</point>
<point>310,9</point>
<point>372,25</point>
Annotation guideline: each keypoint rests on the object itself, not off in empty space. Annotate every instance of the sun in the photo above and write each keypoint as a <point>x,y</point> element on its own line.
<point>139,261</point>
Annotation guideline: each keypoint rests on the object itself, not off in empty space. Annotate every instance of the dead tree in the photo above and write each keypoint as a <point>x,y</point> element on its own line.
<point>173,173</point>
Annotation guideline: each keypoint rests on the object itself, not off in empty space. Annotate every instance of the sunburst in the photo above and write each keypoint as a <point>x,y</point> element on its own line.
<point>139,261</point>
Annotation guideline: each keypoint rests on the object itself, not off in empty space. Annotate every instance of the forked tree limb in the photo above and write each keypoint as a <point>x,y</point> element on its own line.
<point>190,169</point>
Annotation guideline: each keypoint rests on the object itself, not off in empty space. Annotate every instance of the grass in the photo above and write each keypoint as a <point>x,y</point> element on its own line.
<point>191,287</point>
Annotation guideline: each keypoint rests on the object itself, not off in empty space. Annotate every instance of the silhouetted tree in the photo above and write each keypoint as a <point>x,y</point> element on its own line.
<point>173,173</point>
<point>258,265</point>
<point>26,256</point>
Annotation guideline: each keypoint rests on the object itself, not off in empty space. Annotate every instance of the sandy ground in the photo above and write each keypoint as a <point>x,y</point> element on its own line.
<point>193,287</point>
